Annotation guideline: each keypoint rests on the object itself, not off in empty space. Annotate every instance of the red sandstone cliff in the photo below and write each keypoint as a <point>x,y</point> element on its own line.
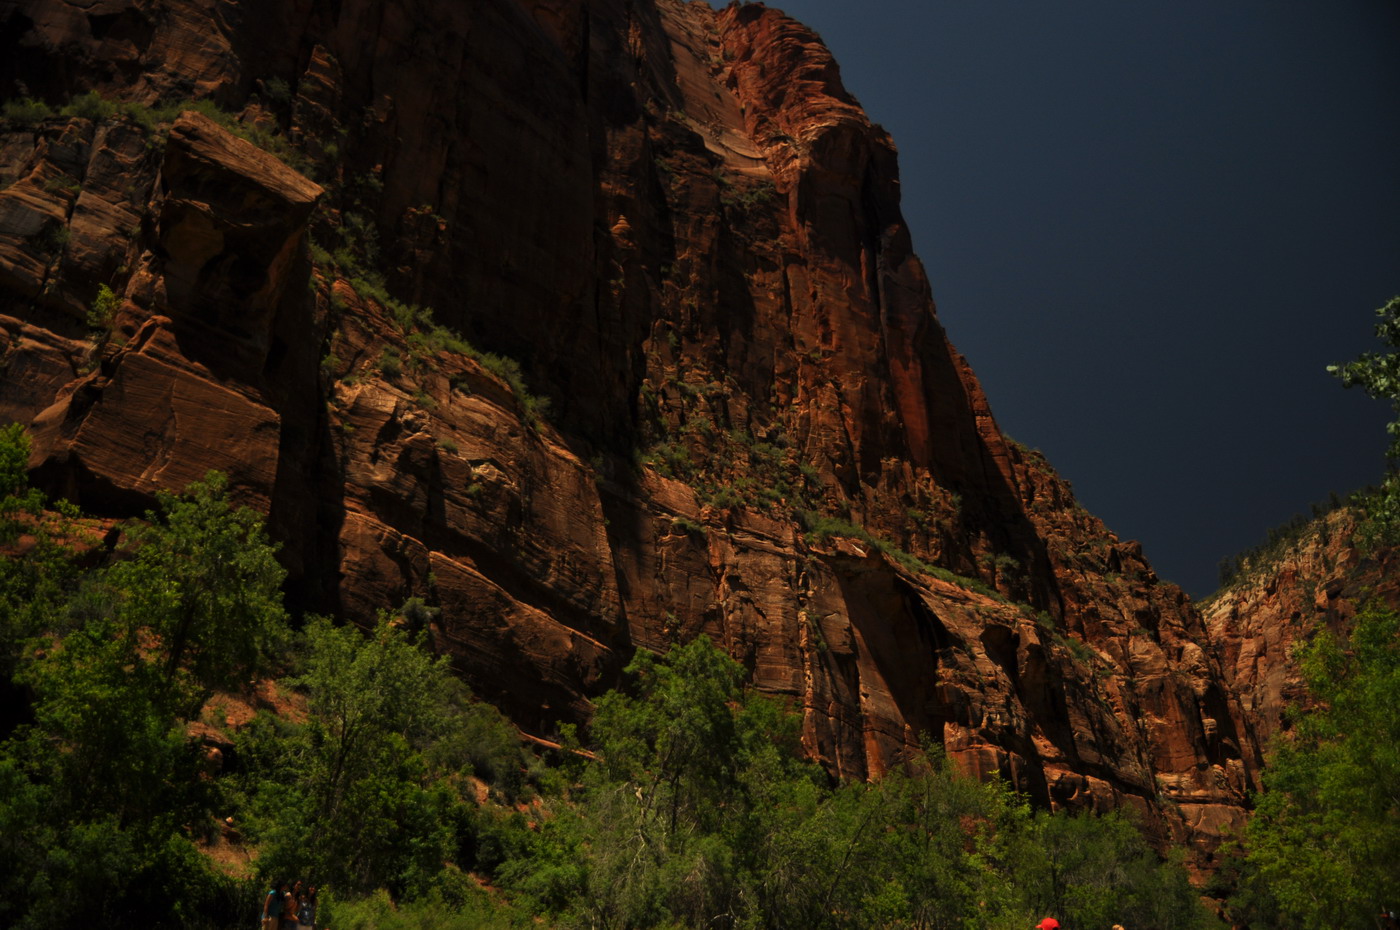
<point>688,234</point>
<point>1319,579</point>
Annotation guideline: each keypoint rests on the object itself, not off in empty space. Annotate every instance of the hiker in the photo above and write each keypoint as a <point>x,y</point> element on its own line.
<point>1048,923</point>
<point>289,907</point>
<point>306,913</point>
<point>271,918</point>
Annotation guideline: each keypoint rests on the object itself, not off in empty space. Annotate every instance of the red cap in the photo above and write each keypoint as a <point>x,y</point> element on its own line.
<point>1048,923</point>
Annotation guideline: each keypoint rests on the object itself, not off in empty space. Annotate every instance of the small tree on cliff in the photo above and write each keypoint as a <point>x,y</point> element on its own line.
<point>204,580</point>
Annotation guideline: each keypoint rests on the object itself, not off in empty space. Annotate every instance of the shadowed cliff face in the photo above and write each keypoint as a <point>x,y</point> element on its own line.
<point>688,235</point>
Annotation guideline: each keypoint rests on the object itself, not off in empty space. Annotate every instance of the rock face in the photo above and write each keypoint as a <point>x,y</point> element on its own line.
<point>1319,579</point>
<point>687,234</point>
<point>179,383</point>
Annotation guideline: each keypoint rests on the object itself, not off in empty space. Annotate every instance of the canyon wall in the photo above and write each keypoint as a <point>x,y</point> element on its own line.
<point>1316,578</point>
<point>593,324</point>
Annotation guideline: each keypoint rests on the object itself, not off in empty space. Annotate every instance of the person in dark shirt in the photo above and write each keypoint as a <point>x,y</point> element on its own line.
<point>306,912</point>
<point>271,916</point>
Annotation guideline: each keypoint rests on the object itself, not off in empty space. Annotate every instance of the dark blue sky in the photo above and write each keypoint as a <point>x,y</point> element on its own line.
<point>1149,227</point>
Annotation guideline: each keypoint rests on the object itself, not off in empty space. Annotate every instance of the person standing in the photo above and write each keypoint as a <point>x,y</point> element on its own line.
<point>290,903</point>
<point>306,912</point>
<point>271,918</point>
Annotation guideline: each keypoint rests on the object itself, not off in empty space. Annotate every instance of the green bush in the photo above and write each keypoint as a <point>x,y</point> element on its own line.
<point>53,238</point>
<point>278,90</point>
<point>390,365</point>
<point>103,310</point>
<point>761,194</point>
<point>65,184</point>
<point>26,111</point>
<point>470,909</point>
<point>687,526</point>
<point>91,105</point>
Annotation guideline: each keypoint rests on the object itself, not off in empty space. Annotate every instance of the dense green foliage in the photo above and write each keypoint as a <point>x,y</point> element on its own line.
<point>384,782</point>
<point>102,788</point>
<point>699,811</point>
<point>1323,846</point>
<point>106,794</point>
<point>36,571</point>
<point>367,792</point>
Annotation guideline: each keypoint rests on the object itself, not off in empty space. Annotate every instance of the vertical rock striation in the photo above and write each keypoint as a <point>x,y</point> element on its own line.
<point>687,234</point>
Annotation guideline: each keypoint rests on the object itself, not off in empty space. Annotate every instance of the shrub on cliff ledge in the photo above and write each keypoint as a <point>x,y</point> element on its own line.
<point>25,111</point>
<point>103,310</point>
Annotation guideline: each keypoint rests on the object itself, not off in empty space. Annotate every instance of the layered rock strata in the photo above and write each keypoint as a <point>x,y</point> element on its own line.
<point>687,234</point>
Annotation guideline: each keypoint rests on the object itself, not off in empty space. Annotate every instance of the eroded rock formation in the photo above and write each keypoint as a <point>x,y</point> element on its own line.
<point>688,235</point>
<point>1318,579</point>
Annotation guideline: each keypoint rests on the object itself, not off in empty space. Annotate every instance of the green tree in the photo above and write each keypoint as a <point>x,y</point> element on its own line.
<point>1378,374</point>
<point>1324,842</point>
<point>195,606</point>
<point>656,804</point>
<point>365,793</point>
<point>37,569</point>
<point>104,786</point>
<point>669,824</point>
<point>203,580</point>
<point>935,861</point>
<point>1092,870</point>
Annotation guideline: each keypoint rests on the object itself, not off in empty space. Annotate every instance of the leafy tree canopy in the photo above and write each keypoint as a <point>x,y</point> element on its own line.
<point>1324,842</point>
<point>1378,374</point>
<point>700,812</point>
<point>103,786</point>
